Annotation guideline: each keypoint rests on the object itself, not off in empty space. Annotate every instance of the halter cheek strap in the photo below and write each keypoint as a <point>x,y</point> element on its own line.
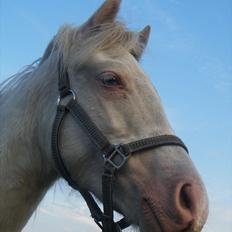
<point>114,156</point>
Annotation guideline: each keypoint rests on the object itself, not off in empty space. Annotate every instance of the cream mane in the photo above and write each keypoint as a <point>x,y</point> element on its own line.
<point>77,47</point>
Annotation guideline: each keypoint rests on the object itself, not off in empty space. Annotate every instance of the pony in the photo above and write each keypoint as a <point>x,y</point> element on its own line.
<point>159,190</point>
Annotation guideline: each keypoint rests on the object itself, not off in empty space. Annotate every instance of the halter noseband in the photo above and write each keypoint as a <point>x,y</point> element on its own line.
<point>115,156</point>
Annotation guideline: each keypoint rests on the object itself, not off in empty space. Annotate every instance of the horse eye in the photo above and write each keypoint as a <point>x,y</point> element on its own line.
<point>110,79</point>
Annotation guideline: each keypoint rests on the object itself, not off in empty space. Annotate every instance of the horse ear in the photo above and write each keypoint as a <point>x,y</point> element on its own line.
<point>143,37</point>
<point>105,14</point>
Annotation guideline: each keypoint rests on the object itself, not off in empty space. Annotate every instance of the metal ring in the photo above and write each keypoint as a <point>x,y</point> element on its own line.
<point>70,92</point>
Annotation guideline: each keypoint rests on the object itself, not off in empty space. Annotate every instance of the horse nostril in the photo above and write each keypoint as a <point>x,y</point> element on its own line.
<point>190,204</point>
<point>186,203</point>
<point>185,199</point>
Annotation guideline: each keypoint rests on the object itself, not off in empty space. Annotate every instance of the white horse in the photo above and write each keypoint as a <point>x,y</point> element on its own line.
<point>159,190</point>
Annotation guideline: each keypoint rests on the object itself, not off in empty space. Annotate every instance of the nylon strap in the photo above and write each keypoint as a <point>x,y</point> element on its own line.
<point>103,143</point>
<point>63,81</point>
<point>154,142</point>
<point>89,126</point>
<point>95,211</point>
<point>61,111</point>
<point>107,181</point>
<point>115,155</point>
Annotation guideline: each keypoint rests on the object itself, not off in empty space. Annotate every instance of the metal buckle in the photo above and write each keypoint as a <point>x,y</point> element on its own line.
<point>117,158</point>
<point>69,93</point>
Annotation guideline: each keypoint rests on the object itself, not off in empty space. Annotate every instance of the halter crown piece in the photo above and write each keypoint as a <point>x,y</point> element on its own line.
<point>115,156</point>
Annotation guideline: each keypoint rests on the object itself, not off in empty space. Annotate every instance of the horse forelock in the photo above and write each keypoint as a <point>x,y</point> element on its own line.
<point>77,46</point>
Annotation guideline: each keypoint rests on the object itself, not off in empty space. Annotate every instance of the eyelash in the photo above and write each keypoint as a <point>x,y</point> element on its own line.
<point>110,79</point>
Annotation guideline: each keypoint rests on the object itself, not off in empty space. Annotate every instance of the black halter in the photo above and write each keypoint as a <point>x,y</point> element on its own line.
<point>115,156</point>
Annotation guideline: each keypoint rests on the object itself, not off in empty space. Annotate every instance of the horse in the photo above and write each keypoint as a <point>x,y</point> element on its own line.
<point>157,189</point>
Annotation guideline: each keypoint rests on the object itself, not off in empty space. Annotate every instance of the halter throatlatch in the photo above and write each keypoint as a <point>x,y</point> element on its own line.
<point>114,156</point>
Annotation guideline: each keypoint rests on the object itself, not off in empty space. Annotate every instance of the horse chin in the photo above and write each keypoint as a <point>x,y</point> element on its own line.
<point>150,221</point>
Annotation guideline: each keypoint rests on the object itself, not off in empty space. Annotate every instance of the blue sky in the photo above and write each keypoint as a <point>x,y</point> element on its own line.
<point>189,59</point>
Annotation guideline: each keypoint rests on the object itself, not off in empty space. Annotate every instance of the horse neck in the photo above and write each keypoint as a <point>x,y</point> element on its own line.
<point>26,169</point>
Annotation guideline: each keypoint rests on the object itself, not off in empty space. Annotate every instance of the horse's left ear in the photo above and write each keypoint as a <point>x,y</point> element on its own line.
<point>105,14</point>
<point>143,37</point>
